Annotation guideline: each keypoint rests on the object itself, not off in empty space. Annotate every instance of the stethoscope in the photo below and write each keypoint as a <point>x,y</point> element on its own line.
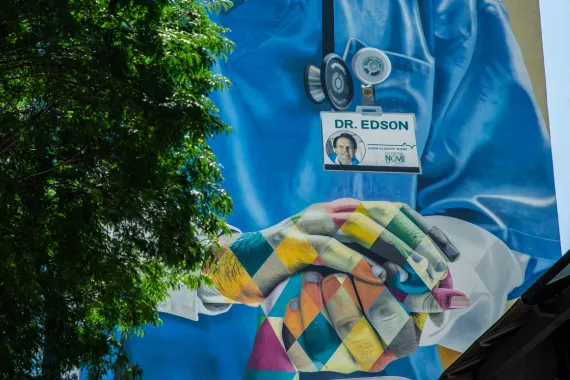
<point>332,80</point>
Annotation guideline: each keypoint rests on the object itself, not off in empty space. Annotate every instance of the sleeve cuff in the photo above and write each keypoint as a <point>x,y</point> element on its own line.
<point>189,303</point>
<point>182,303</point>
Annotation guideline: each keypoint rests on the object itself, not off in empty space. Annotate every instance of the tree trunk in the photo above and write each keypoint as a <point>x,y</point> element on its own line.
<point>51,368</point>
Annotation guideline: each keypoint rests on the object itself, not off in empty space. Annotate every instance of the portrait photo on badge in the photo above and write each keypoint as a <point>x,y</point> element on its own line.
<point>345,148</point>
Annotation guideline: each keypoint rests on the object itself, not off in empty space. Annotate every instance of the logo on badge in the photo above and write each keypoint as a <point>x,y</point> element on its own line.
<point>395,158</point>
<point>372,66</point>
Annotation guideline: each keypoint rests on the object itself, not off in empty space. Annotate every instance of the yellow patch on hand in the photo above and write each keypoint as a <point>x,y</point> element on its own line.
<point>341,361</point>
<point>359,228</point>
<point>420,319</point>
<point>233,281</point>
<point>363,344</point>
<point>295,251</point>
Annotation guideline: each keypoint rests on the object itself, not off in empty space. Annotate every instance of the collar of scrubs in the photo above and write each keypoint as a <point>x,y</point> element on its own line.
<point>354,161</point>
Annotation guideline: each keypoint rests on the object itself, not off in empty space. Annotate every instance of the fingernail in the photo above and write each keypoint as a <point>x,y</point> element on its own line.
<point>403,273</point>
<point>377,271</point>
<point>295,304</point>
<point>417,257</point>
<point>459,302</point>
<point>440,266</point>
<point>312,277</point>
<point>451,252</point>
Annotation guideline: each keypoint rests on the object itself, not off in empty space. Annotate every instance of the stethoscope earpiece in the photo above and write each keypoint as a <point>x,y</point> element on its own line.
<point>332,81</point>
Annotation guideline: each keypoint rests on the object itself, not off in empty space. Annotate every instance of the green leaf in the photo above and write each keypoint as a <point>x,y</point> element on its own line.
<point>106,178</point>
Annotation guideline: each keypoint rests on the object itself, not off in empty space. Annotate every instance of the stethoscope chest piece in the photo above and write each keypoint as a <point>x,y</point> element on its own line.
<point>332,81</point>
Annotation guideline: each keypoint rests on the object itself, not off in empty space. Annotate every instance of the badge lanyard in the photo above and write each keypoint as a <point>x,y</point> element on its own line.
<point>332,80</point>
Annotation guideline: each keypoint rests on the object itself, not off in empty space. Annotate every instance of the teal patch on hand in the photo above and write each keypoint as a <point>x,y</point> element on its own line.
<point>252,250</point>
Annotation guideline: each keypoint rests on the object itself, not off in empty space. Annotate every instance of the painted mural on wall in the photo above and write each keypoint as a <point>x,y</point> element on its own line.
<point>351,274</point>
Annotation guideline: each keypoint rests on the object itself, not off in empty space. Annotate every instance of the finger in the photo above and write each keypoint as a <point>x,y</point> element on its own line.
<point>450,299</point>
<point>410,281</point>
<point>341,205</point>
<point>292,332</point>
<point>297,250</point>
<point>316,220</point>
<point>437,235</point>
<point>335,255</point>
<point>350,324</point>
<point>447,281</point>
<point>323,345</point>
<point>293,253</point>
<point>392,323</point>
<point>363,230</point>
<point>426,258</point>
<point>422,303</point>
<point>436,301</point>
<point>296,253</point>
<point>404,280</point>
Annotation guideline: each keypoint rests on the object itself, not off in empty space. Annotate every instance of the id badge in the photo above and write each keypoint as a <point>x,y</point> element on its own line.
<point>370,141</point>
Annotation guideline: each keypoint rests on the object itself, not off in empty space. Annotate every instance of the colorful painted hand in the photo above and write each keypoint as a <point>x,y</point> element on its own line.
<point>369,313</point>
<point>313,323</point>
<point>360,238</point>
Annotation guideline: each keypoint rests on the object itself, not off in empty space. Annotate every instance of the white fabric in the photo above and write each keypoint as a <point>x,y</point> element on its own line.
<point>182,303</point>
<point>487,271</point>
<point>188,303</point>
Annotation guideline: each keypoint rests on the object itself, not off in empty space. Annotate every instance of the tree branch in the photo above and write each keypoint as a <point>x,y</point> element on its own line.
<point>15,140</point>
<point>46,108</point>
<point>24,77</point>
<point>72,159</point>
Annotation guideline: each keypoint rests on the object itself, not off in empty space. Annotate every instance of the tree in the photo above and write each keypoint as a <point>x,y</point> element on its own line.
<point>106,178</point>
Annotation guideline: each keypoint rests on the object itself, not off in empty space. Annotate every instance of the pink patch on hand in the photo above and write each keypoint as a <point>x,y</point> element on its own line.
<point>447,281</point>
<point>341,217</point>
<point>400,296</point>
<point>319,261</point>
<point>342,205</point>
<point>341,209</point>
<point>268,354</point>
<point>386,358</point>
<point>443,297</point>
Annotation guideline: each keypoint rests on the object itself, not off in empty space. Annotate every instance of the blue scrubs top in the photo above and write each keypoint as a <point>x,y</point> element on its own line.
<point>483,142</point>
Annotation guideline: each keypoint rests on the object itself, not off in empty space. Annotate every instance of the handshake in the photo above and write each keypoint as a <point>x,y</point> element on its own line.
<point>343,286</point>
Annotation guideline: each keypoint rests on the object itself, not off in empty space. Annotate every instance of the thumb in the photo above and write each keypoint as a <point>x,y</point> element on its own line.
<point>436,301</point>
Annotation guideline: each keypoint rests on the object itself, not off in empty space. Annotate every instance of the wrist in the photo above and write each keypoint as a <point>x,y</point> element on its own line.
<point>221,246</point>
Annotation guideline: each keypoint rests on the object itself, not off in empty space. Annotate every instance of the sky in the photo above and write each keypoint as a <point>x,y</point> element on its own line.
<point>555,15</point>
